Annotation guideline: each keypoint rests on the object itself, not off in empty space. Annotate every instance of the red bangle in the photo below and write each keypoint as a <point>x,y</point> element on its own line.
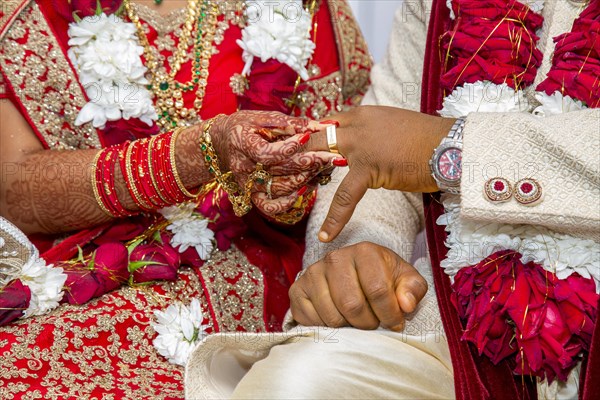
<point>104,184</point>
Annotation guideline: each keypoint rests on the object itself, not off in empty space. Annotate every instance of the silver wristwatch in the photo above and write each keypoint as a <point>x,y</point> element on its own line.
<point>446,162</point>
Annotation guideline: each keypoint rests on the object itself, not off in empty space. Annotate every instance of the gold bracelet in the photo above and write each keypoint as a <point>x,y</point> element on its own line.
<point>239,200</point>
<point>178,181</point>
<point>95,185</point>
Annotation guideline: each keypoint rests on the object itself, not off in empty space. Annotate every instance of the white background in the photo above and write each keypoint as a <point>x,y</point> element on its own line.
<point>375,18</point>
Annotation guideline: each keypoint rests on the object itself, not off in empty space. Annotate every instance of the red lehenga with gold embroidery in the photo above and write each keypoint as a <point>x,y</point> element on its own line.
<point>103,349</point>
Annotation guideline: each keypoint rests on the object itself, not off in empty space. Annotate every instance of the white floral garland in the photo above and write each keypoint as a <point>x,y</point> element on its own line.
<point>45,282</point>
<point>106,53</point>
<point>468,241</point>
<point>277,30</point>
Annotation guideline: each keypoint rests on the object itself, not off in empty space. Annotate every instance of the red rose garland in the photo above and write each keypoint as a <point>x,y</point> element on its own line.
<point>517,311</point>
<point>575,68</point>
<point>523,311</point>
<point>492,41</point>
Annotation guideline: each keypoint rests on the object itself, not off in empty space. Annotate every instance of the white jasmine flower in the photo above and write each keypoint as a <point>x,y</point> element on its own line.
<point>556,103</point>
<point>281,32</point>
<point>181,211</point>
<point>106,53</point>
<point>483,96</point>
<point>189,229</point>
<point>179,329</point>
<point>193,233</point>
<point>45,283</point>
<point>470,242</point>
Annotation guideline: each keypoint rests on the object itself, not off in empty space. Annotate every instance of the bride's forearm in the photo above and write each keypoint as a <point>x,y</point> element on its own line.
<point>52,191</point>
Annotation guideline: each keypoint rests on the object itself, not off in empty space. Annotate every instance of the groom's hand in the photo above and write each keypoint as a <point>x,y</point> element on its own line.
<point>386,147</point>
<point>364,285</point>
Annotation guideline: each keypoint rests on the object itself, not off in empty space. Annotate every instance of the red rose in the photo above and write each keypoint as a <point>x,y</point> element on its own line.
<point>117,132</point>
<point>84,8</point>
<point>165,262</point>
<point>271,83</point>
<point>110,264</point>
<point>81,285</point>
<point>14,300</point>
<point>479,295</point>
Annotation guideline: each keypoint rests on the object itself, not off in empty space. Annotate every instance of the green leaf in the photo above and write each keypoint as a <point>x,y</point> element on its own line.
<point>157,237</point>
<point>99,9</point>
<point>76,17</point>
<point>135,265</point>
<point>133,245</point>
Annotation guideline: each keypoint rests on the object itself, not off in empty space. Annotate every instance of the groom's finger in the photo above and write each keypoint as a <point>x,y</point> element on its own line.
<point>351,190</point>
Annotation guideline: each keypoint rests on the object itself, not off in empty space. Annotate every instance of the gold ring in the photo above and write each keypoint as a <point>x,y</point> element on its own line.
<point>332,139</point>
<point>259,175</point>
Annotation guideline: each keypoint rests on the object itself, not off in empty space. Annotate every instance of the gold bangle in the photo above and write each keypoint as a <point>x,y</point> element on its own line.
<point>178,181</point>
<point>95,185</point>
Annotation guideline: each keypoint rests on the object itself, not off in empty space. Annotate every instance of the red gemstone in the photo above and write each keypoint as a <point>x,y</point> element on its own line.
<point>526,188</point>
<point>499,186</point>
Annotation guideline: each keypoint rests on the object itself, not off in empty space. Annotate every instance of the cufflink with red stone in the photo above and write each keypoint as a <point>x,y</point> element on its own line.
<point>498,190</point>
<point>528,192</point>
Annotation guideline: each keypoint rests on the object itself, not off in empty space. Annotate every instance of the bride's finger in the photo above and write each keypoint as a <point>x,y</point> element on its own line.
<point>303,162</point>
<point>272,207</point>
<point>284,185</point>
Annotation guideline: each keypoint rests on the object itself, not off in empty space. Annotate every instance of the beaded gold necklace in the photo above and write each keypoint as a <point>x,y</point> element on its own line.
<point>198,30</point>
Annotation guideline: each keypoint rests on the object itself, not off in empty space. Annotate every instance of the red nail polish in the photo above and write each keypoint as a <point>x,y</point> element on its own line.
<point>340,162</point>
<point>330,122</point>
<point>302,190</point>
<point>304,139</point>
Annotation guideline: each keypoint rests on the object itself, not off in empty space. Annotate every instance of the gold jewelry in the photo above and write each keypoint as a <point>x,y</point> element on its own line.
<point>259,175</point>
<point>201,19</point>
<point>239,199</point>
<point>324,179</point>
<point>332,139</point>
<point>296,213</point>
<point>95,185</point>
<point>173,159</point>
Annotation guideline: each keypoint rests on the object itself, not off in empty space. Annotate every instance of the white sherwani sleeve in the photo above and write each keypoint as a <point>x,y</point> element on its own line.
<point>561,152</point>
<point>388,218</point>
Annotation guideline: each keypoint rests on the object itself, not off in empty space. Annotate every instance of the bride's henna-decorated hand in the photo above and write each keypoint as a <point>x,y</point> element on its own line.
<point>273,139</point>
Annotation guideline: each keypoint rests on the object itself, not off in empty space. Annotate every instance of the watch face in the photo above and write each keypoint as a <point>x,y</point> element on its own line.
<point>450,164</point>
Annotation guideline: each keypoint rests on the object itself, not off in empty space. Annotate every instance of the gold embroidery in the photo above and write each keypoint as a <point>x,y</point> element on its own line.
<point>355,58</point>
<point>7,10</point>
<point>236,292</point>
<point>321,97</point>
<point>80,351</point>
<point>44,81</point>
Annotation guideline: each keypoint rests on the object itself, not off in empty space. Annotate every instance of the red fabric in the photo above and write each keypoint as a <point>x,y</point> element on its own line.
<point>589,381</point>
<point>475,377</point>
